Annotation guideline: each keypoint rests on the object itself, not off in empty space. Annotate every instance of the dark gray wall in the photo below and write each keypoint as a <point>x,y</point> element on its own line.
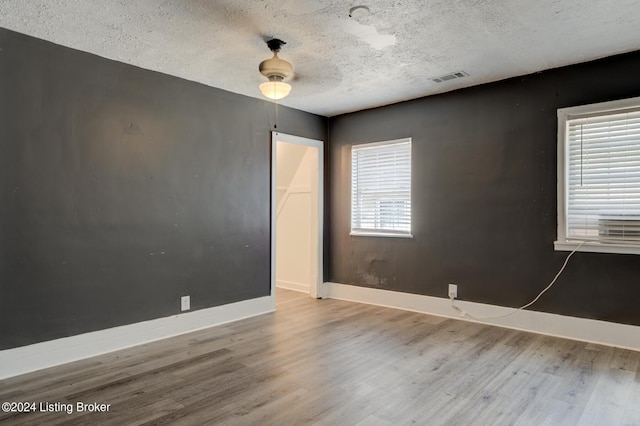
<point>124,189</point>
<point>484,196</point>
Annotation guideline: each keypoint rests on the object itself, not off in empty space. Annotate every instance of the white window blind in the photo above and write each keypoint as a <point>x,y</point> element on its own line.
<point>381,188</point>
<point>603,177</point>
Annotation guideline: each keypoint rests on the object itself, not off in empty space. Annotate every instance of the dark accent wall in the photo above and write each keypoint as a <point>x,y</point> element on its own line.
<point>484,196</point>
<point>124,189</point>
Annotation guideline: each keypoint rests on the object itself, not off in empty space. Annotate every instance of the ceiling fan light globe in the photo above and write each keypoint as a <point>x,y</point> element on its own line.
<point>275,89</point>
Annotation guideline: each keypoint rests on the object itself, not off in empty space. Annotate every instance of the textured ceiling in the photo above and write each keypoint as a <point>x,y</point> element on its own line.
<point>342,64</point>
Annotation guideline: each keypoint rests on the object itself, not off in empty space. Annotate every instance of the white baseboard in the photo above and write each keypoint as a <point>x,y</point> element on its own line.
<point>290,285</point>
<point>38,356</point>
<point>586,330</point>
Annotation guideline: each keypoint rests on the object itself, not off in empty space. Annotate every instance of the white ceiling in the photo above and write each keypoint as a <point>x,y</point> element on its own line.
<point>342,64</point>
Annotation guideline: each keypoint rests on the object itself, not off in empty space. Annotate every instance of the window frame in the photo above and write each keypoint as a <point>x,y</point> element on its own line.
<point>382,232</point>
<point>563,243</point>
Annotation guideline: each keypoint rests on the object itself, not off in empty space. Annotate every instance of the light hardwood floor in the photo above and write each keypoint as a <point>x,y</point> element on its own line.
<point>331,362</point>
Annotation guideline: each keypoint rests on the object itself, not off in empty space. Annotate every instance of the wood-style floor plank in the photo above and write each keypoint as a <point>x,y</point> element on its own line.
<point>330,362</point>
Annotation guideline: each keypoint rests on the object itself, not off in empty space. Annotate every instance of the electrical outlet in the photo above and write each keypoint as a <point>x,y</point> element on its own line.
<point>453,291</point>
<point>185,303</point>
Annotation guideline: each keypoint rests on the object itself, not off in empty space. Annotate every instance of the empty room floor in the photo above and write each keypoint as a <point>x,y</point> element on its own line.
<point>331,362</point>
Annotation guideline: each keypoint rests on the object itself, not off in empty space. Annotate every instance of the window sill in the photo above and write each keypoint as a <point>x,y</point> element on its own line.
<point>594,247</point>
<point>379,234</point>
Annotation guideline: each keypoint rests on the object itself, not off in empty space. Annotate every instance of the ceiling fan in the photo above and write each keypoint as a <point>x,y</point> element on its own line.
<point>276,70</point>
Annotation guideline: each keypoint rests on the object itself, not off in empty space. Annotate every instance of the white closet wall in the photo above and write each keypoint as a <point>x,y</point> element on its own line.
<point>296,240</point>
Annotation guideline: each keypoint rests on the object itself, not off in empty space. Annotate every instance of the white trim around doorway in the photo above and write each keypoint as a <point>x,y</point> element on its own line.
<point>316,291</point>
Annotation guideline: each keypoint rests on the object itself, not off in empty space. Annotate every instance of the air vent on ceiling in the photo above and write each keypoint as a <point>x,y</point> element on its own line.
<point>451,76</point>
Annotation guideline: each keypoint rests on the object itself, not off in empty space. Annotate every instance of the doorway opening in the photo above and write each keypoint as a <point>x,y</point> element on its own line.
<point>296,214</point>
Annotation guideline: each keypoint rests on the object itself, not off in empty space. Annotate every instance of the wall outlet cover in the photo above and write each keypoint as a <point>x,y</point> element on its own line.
<point>185,303</point>
<point>453,291</point>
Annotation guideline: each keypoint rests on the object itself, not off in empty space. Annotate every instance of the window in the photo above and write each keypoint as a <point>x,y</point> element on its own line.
<point>381,188</point>
<point>599,177</point>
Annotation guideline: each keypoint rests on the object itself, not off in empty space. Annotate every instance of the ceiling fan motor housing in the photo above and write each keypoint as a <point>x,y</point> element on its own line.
<point>275,68</point>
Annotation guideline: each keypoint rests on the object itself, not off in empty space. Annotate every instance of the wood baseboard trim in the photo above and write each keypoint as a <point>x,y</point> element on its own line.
<point>25,359</point>
<point>582,329</point>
